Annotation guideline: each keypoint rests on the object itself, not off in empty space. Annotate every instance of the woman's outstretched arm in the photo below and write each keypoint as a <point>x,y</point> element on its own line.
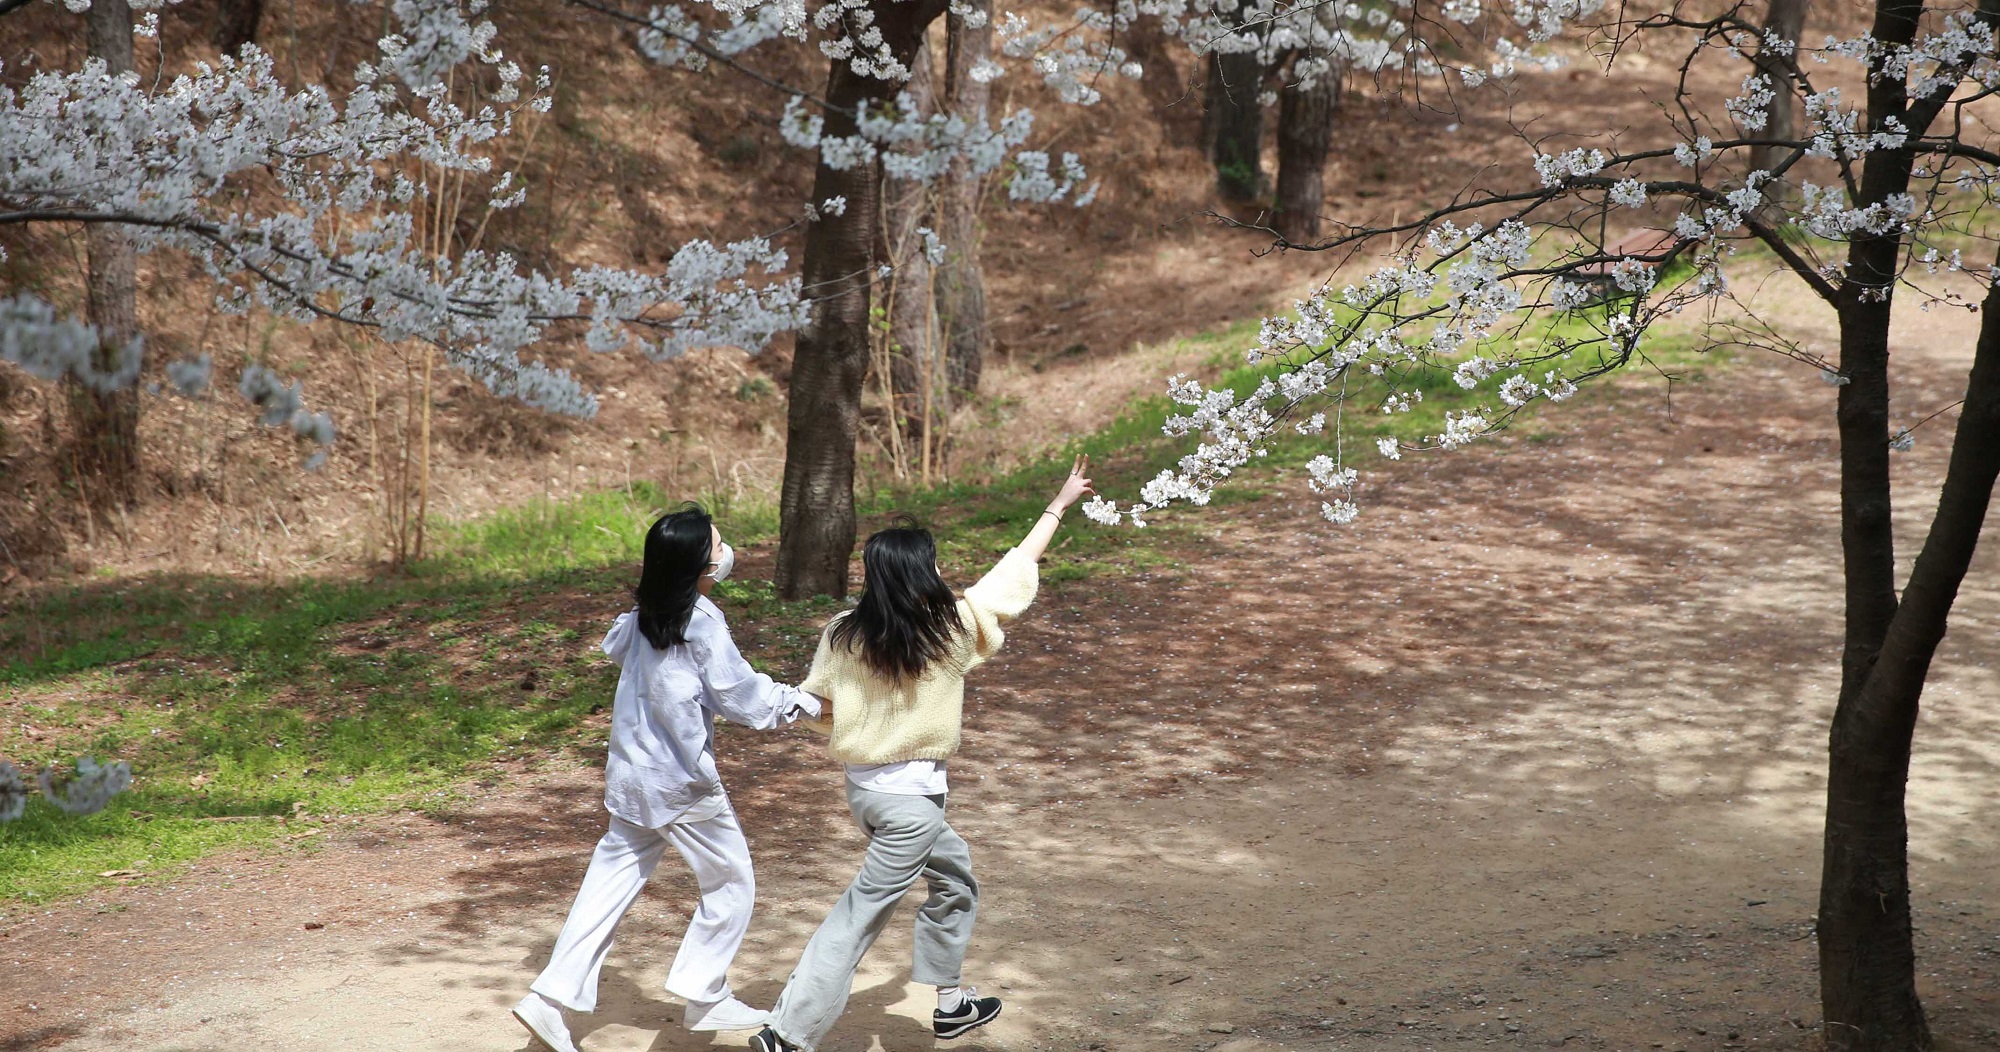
<point>741,694</point>
<point>1008,588</point>
<point>1073,489</point>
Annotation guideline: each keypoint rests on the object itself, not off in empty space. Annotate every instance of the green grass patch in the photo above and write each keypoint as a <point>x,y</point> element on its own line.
<point>228,740</point>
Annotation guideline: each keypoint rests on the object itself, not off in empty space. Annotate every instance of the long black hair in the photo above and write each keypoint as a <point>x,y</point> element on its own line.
<point>906,619</point>
<point>678,546</point>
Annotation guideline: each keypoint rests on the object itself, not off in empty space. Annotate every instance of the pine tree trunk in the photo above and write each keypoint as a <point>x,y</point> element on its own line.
<point>1785,20</point>
<point>912,330</point>
<point>236,24</point>
<point>105,425</point>
<point>816,507</point>
<point>1305,136</point>
<point>961,284</point>
<point>1236,124</point>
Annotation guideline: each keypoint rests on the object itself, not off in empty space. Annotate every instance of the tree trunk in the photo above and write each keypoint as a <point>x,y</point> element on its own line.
<point>1305,135</point>
<point>1784,19</point>
<point>816,508</point>
<point>1868,989</point>
<point>961,284</point>
<point>1867,959</point>
<point>913,340</point>
<point>1868,965</point>
<point>1170,92</point>
<point>236,24</point>
<point>1236,124</point>
<point>105,425</point>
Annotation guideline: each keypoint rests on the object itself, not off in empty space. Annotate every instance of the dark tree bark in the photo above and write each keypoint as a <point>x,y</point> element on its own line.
<point>1868,988</point>
<point>1305,135</point>
<point>1785,19</point>
<point>1170,91</point>
<point>1867,961</point>
<point>236,24</point>
<point>1235,121</point>
<point>961,283</point>
<point>914,367</point>
<point>816,508</point>
<point>105,426</point>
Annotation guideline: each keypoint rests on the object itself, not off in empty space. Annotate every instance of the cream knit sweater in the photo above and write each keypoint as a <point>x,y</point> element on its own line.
<point>877,720</point>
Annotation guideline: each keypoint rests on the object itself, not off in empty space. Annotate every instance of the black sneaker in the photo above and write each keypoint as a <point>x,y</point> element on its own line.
<point>972,1013</point>
<point>767,1040</point>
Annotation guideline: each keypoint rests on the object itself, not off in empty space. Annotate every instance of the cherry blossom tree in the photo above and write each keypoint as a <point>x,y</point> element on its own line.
<point>299,200</point>
<point>960,279</point>
<point>1294,55</point>
<point>1305,138</point>
<point>1234,110</point>
<point>337,240</point>
<point>1886,188</point>
<point>106,421</point>
<point>868,127</point>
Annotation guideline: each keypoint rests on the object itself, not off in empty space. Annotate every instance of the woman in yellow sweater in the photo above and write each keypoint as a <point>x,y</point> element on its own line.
<point>894,669</point>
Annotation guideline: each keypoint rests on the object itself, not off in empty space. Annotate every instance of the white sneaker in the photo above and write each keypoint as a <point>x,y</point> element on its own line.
<point>726,1014</point>
<point>544,1019</point>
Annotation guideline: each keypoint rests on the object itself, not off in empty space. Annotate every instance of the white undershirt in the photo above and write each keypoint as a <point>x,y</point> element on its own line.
<point>907,778</point>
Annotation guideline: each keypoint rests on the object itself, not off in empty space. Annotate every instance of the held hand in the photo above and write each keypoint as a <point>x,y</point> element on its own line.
<point>1076,486</point>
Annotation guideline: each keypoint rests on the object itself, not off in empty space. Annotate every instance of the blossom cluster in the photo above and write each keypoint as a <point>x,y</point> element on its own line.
<point>1537,292</point>
<point>85,792</point>
<point>1072,55</point>
<point>919,147</point>
<point>34,337</point>
<point>338,237</point>
<point>1400,36</point>
<point>50,347</point>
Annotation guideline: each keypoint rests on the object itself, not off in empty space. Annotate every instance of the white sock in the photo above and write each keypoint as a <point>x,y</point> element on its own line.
<point>949,998</point>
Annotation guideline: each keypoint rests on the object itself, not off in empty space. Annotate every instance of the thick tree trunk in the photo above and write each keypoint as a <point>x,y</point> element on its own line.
<point>1236,124</point>
<point>1305,135</point>
<point>816,508</point>
<point>1785,20</point>
<point>236,24</point>
<point>961,284</point>
<point>1867,959</point>
<point>105,425</point>
<point>1868,990</point>
<point>1868,962</point>
<point>1170,91</point>
<point>915,374</point>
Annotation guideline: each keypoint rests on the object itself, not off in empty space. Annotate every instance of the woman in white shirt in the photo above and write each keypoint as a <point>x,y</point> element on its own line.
<point>679,670</point>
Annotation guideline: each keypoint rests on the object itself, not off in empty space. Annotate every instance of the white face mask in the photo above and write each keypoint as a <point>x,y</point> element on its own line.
<point>723,565</point>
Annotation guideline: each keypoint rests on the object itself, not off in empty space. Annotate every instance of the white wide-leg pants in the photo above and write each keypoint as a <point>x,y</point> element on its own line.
<point>720,858</point>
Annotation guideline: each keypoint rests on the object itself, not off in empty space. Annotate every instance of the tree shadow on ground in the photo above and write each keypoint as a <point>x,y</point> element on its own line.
<point>1660,639</point>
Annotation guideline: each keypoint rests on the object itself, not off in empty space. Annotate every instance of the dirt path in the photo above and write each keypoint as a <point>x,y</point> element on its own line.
<point>1530,757</point>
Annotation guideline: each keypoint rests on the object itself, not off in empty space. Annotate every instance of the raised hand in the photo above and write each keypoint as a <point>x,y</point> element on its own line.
<point>1076,487</point>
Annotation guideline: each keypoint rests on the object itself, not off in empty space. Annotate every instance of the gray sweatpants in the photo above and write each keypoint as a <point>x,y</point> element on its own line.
<point>907,838</point>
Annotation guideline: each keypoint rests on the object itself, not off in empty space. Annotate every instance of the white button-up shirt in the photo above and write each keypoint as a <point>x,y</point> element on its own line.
<point>662,763</point>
